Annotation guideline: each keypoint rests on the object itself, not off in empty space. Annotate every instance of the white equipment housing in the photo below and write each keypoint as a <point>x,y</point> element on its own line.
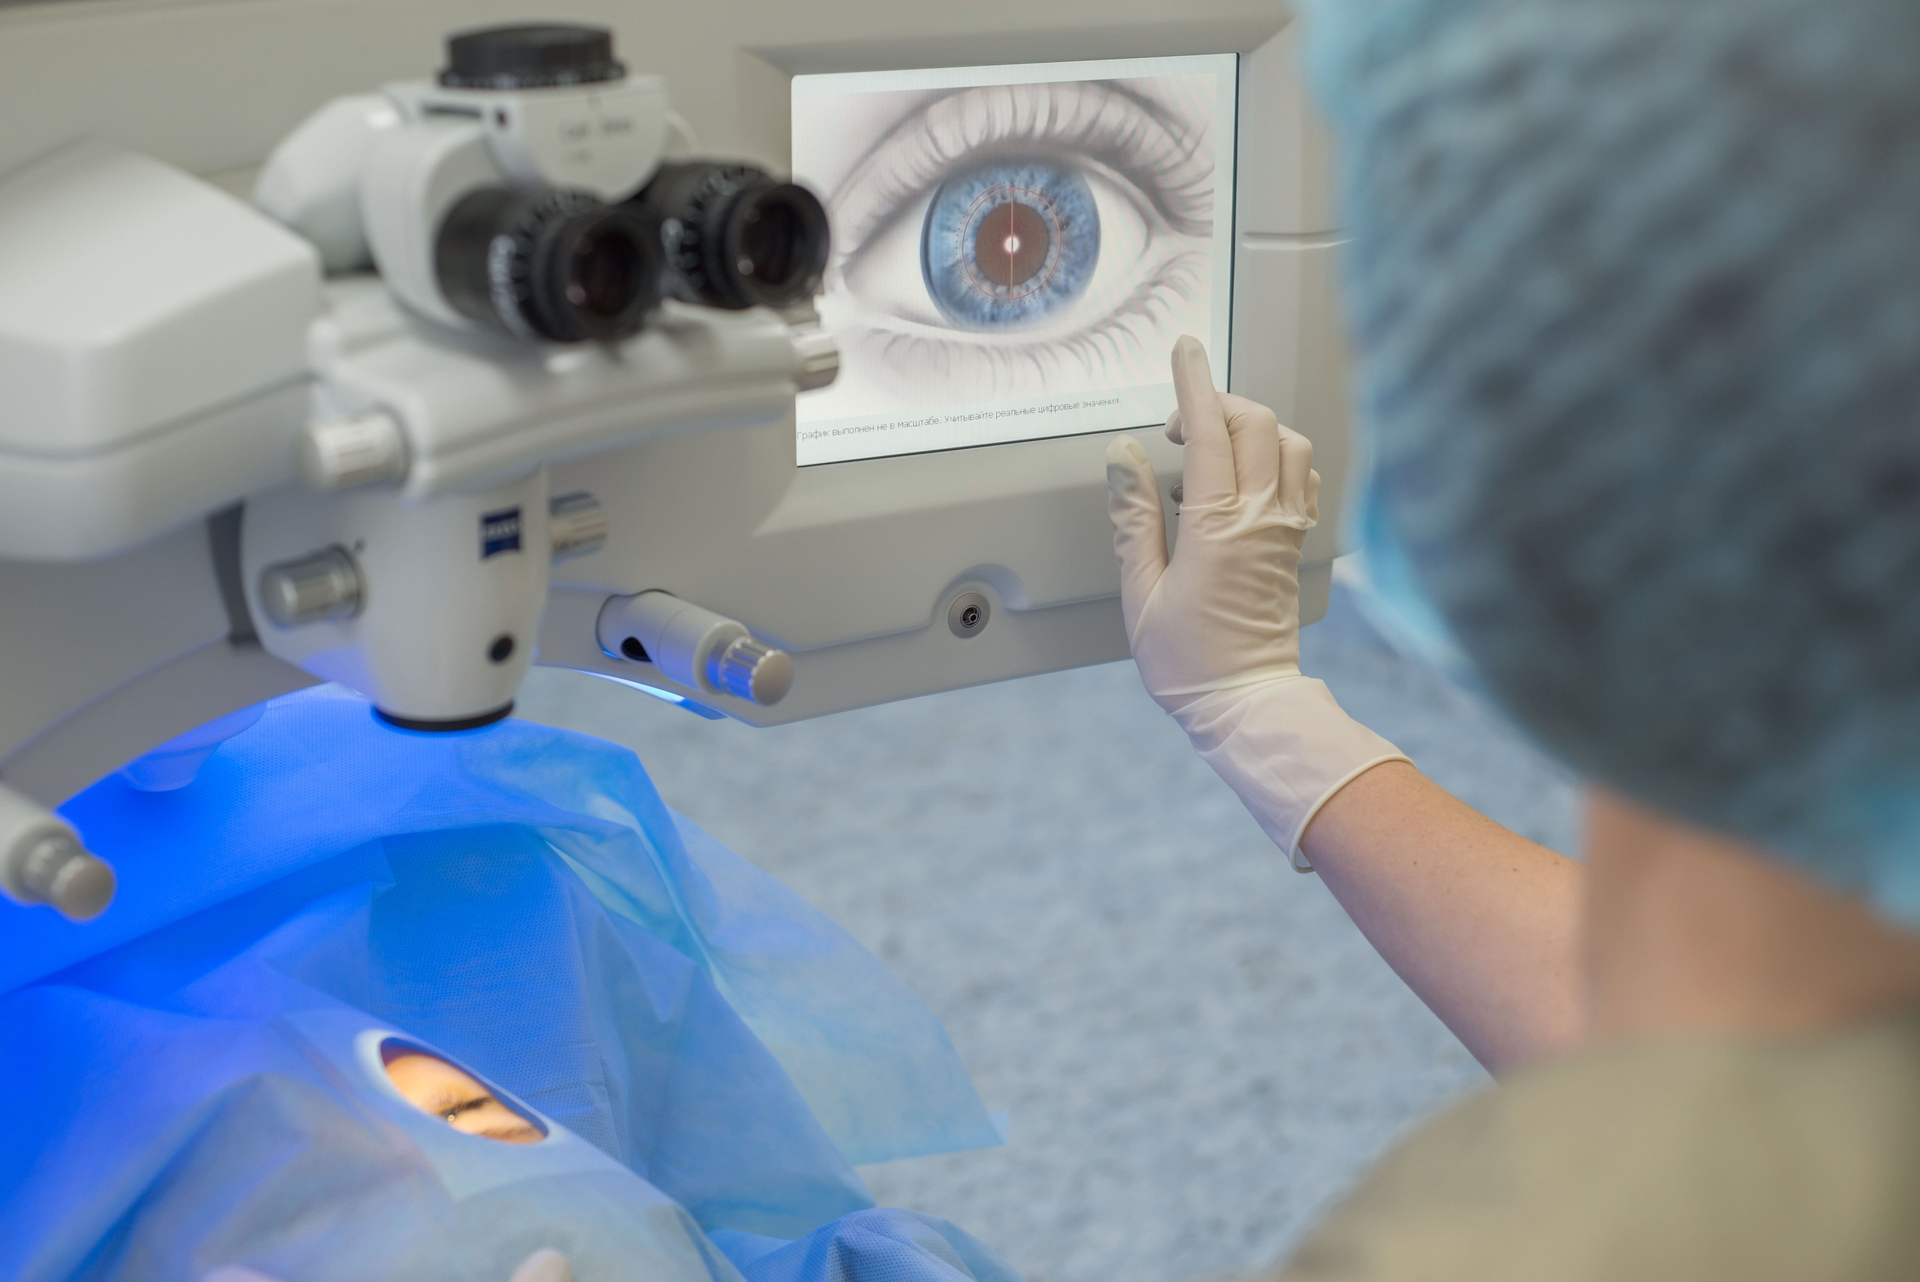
<point>148,462</point>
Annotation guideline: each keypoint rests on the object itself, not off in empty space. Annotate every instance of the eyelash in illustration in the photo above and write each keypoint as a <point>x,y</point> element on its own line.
<point>1126,335</point>
<point>1086,120</point>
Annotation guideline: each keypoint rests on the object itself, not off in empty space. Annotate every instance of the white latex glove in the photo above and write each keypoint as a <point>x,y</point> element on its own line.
<point>1215,628</point>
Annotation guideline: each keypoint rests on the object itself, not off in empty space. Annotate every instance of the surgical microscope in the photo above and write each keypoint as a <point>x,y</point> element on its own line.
<point>405,344</point>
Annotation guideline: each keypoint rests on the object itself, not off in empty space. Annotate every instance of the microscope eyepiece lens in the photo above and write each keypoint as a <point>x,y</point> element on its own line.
<point>559,266</point>
<point>735,237</point>
<point>602,271</point>
<point>770,233</point>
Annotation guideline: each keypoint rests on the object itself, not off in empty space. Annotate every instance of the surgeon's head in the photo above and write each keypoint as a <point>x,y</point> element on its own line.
<point>1637,288</point>
<point>433,1085</point>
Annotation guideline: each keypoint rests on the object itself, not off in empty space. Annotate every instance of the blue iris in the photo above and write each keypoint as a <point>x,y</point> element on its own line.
<point>1009,242</point>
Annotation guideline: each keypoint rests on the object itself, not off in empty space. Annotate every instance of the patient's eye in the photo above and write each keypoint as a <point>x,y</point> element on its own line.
<point>447,1091</point>
<point>451,1106</point>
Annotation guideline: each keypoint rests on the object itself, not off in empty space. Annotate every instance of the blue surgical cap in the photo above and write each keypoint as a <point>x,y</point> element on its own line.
<point>196,1076</point>
<point>1636,286</point>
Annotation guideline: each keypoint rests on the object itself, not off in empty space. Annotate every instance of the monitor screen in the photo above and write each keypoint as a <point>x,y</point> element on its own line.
<point>1015,248</point>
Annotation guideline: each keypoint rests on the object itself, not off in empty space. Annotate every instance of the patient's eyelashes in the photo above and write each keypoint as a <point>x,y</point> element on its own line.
<point>450,1106</point>
<point>445,1090</point>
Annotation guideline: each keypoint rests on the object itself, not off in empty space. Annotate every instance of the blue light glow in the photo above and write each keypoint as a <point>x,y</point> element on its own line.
<point>668,696</point>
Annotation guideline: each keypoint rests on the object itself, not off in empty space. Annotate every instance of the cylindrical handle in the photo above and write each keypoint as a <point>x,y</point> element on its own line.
<point>750,669</point>
<point>816,358</point>
<point>340,453</point>
<point>43,862</point>
<point>326,585</point>
<point>692,646</point>
<point>576,525</point>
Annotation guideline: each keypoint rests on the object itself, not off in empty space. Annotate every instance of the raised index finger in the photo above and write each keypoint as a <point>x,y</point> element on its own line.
<point>1207,473</point>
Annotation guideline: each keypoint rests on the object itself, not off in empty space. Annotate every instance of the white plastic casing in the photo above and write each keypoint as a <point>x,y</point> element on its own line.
<point>680,638</point>
<point>311,182</point>
<point>153,334</point>
<point>477,409</point>
<point>414,176</point>
<point>445,581</point>
<point>410,154</point>
<point>599,138</point>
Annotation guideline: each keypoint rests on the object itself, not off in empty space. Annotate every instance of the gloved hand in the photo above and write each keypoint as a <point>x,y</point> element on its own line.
<point>1215,628</point>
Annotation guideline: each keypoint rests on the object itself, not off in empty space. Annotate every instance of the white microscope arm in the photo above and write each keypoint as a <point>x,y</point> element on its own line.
<point>190,410</point>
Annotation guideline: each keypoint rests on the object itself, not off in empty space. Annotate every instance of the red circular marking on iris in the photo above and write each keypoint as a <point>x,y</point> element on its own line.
<point>1012,244</point>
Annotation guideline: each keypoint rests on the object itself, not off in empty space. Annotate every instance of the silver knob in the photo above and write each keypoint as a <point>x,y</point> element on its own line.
<point>58,870</point>
<point>343,452</point>
<point>326,585</point>
<point>750,669</point>
<point>43,862</point>
<point>816,358</point>
<point>576,525</point>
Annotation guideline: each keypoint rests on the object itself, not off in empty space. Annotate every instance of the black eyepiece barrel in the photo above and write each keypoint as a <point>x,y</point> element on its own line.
<point>735,237</point>
<point>559,266</point>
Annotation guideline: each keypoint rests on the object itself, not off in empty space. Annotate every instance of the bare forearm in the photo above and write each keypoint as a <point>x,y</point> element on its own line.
<point>1480,922</point>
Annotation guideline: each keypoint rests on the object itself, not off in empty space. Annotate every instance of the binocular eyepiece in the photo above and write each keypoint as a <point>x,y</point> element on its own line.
<point>566,267</point>
<point>522,191</point>
<point>559,266</point>
<point>734,237</point>
<point>721,234</point>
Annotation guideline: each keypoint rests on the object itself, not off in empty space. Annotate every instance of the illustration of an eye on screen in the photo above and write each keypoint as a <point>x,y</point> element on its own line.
<point>1015,248</point>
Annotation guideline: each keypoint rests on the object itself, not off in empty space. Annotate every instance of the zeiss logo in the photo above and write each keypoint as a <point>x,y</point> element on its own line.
<point>500,532</point>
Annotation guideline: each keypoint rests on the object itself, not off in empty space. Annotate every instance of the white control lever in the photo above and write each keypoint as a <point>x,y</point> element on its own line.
<point>43,862</point>
<point>697,648</point>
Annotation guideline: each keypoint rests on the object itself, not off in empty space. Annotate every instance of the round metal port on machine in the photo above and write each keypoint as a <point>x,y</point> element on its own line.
<point>968,614</point>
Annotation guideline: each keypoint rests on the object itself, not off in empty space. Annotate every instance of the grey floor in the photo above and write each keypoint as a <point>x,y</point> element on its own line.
<point>1198,1050</point>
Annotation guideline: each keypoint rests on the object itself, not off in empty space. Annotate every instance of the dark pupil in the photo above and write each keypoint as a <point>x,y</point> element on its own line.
<point>767,242</point>
<point>602,272</point>
<point>1011,244</point>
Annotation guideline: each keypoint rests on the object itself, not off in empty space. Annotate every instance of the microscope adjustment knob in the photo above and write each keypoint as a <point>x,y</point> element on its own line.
<point>750,669</point>
<point>816,358</point>
<point>59,871</point>
<point>576,525</point>
<point>340,453</point>
<point>326,585</point>
<point>536,55</point>
<point>43,862</point>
